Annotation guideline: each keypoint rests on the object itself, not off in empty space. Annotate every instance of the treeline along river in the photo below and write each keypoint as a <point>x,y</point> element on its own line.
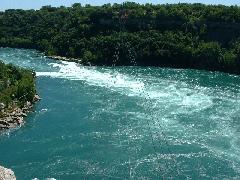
<point>195,36</point>
<point>125,123</point>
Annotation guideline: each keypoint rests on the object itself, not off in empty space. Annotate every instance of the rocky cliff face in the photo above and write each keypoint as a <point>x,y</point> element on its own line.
<point>13,117</point>
<point>6,174</point>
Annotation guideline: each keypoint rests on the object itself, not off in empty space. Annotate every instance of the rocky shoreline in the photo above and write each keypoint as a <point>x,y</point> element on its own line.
<point>14,117</point>
<point>6,174</point>
<point>65,59</point>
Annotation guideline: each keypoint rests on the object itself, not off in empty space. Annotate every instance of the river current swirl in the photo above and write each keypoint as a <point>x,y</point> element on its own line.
<point>125,123</point>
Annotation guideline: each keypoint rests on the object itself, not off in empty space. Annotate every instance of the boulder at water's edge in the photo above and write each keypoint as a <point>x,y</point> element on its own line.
<point>6,174</point>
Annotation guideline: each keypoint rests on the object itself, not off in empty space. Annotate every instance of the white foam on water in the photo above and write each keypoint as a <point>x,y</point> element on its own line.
<point>116,81</point>
<point>171,97</point>
<point>128,84</point>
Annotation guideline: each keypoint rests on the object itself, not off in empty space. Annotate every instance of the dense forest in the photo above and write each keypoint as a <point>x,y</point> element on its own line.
<point>16,85</point>
<point>180,35</point>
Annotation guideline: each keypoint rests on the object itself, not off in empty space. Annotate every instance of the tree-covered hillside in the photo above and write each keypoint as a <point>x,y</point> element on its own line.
<point>181,35</point>
<point>16,85</point>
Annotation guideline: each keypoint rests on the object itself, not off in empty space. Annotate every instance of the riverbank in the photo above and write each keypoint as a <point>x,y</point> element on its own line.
<point>6,174</point>
<point>17,95</point>
<point>13,116</point>
<point>131,34</point>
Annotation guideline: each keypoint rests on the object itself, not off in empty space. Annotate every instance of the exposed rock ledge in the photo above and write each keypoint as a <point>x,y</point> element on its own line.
<point>13,117</point>
<point>6,174</point>
<point>65,59</point>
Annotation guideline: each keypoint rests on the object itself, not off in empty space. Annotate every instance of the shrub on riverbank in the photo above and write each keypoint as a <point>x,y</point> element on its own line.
<point>16,85</point>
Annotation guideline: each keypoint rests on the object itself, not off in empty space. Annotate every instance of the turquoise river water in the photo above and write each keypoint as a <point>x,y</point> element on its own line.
<point>125,123</point>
